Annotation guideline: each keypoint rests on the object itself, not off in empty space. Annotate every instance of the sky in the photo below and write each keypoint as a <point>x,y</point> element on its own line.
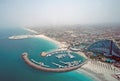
<point>57,12</point>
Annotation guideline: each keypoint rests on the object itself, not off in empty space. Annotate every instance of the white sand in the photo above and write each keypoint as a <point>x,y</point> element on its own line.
<point>61,45</point>
<point>100,70</point>
<point>89,74</point>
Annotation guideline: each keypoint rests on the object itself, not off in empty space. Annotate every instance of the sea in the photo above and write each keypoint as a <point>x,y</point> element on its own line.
<point>12,66</point>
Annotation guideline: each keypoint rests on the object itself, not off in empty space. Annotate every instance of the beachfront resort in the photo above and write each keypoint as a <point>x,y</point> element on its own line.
<point>97,54</point>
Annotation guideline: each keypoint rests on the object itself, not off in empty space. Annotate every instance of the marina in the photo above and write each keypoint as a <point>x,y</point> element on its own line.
<point>60,40</point>
<point>59,66</point>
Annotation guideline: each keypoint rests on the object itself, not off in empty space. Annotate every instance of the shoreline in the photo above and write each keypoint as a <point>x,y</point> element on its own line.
<point>60,45</point>
<point>86,69</point>
<point>90,74</point>
<point>18,37</point>
<point>30,30</point>
<point>99,70</point>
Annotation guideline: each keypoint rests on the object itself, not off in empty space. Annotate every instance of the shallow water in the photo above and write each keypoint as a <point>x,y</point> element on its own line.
<point>12,66</point>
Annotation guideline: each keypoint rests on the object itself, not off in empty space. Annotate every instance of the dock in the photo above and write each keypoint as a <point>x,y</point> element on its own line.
<point>48,69</point>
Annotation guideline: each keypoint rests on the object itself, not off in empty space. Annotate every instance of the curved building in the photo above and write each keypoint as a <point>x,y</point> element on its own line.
<point>106,47</point>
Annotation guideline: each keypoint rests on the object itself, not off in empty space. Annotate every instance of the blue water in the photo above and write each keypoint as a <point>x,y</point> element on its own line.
<point>48,60</point>
<point>13,68</point>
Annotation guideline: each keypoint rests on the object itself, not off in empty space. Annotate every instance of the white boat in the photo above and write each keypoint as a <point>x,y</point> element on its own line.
<point>60,66</point>
<point>70,55</point>
<point>39,63</point>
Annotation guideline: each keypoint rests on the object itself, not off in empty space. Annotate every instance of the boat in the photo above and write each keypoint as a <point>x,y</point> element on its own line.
<point>39,63</point>
<point>70,55</point>
<point>60,56</point>
<point>60,66</point>
<point>48,55</point>
<point>71,64</point>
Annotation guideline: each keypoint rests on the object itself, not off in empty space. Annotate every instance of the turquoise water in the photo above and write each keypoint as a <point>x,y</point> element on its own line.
<point>13,68</point>
<point>48,60</point>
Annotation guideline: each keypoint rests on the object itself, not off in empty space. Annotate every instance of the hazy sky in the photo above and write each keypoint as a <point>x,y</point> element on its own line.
<point>34,12</point>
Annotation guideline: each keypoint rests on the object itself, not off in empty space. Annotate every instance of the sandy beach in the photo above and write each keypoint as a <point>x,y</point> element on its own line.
<point>60,45</point>
<point>97,70</point>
